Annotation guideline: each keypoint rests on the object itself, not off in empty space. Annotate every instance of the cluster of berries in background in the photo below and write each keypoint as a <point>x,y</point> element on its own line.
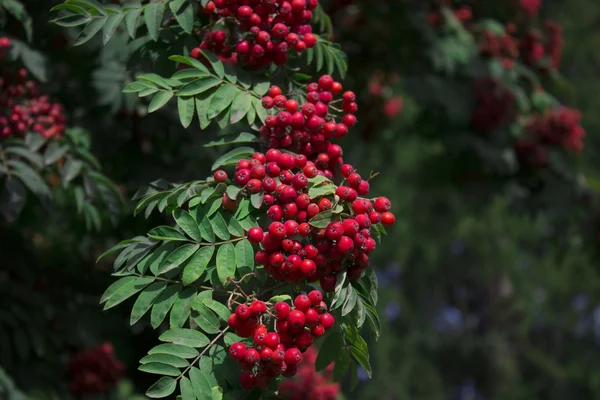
<point>263,32</point>
<point>23,109</point>
<point>494,107</point>
<point>559,127</point>
<point>95,370</point>
<point>278,351</point>
<point>308,129</point>
<point>308,383</point>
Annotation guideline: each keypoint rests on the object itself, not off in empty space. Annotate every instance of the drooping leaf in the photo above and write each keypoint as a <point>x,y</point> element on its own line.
<point>163,304</point>
<point>159,369</point>
<point>322,219</point>
<point>178,257</point>
<point>186,109</point>
<point>127,290</point>
<point>145,301</point>
<point>329,351</point>
<point>164,387</point>
<point>160,100</point>
<point>187,223</point>
<point>243,137</point>
<point>222,99</point>
<point>181,308</point>
<point>198,86</point>
<point>175,350</point>
<point>166,233</point>
<point>226,262</point>
<point>168,359</point>
<point>244,254</point>
<point>240,151</point>
<point>186,337</point>
<point>197,265</point>
<point>153,15</point>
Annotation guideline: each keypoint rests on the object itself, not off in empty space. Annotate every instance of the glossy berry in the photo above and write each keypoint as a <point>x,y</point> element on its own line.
<point>281,311</point>
<point>220,176</point>
<point>297,319</point>
<point>302,302</point>
<point>255,234</point>
<point>237,351</point>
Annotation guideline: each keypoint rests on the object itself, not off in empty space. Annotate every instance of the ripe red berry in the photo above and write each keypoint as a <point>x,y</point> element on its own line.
<point>220,176</point>
<point>361,206</point>
<point>255,234</point>
<point>312,316</point>
<point>345,245</point>
<point>327,321</point>
<point>349,97</point>
<point>308,268</point>
<point>265,354</point>
<point>296,319</point>
<point>277,230</point>
<point>257,308</point>
<point>259,338</point>
<point>252,355</point>
<point>281,311</point>
<point>387,218</point>
<point>247,380</point>
<point>243,312</point>
<point>272,340</point>
<point>317,331</point>
<point>382,204</point>
<point>302,302</point>
<point>315,297</point>
<point>274,91</point>
<point>336,87</point>
<point>237,351</point>
<point>278,356</point>
<point>325,82</point>
<point>292,356</point>
<point>304,229</point>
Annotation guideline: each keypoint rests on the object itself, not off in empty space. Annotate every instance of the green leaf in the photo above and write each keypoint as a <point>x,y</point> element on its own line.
<point>322,219</point>
<point>198,86</point>
<point>71,170</point>
<point>145,301</point>
<point>159,369</point>
<point>261,112</point>
<point>353,376</point>
<point>221,310</point>
<point>132,18</point>
<point>222,98</point>
<point>237,152</point>
<point>219,226</point>
<point>216,64</point>
<point>350,302</point>
<point>186,108</point>
<point>233,191</point>
<point>321,190</point>
<point>373,319</point>
<point>205,319</point>
<point>197,265</point>
<point>280,298</point>
<point>89,31</point>
<point>153,15</point>
<point>257,200</point>
<point>175,350</point>
<point>164,387</point>
<point>154,79</point>
<point>112,22</point>
<point>204,223</point>
<point>181,308</point>
<point>178,257</point>
<point>362,358</point>
<point>191,62</point>
<point>185,16</point>
<point>261,88</point>
<point>33,158</point>
<point>163,304</point>
<point>329,351</point>
<point>166,233</point>
<point>240,106</point>
<point>112,289</point>
<point>188,224</point>
<point>216,393</point>
<point>244,254</point>
<point>127,290</point>
<point>168,359</point>
<point>202,388</point>
<point>186,337</point>
<point>186,389</point>
<point>160,100</point>
<point>190,73</point>
<point>226,262</point>
<point>243,137</point>
<point>342,363</point>
<point>31,179</point>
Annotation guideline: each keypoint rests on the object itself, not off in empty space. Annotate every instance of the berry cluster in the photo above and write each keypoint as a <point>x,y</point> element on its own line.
<point>23,109</point>
<point>277,352</point>
<point>537,45</point>
<point>95,370</point>
<point>292,250</point>
<point>308,129</point>
<point>503,47</point>
<point>463,14</point>
<point>308,383</point>
<point>494,105</point>
<point>558,127</point>
<point>266,30</point>
<point>531,7</point>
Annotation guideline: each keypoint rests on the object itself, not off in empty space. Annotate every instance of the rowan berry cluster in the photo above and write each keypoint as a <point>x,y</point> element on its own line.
<point>494,105</point>
<point>95,370</point>
<point>558,127</point>
<point>503,47</point>
<point>266,30</point>
<point>307,129</point>
<point>23,109</point>
<point>279,351</point>
<point>308,383</point>
<point>463,14</point>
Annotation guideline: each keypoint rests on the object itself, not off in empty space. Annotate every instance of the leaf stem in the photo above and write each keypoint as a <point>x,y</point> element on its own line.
<point>195,360</point>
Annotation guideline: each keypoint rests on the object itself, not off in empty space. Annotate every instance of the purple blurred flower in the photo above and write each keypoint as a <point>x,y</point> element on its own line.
<point>392,310</point>
<point>448,319</point>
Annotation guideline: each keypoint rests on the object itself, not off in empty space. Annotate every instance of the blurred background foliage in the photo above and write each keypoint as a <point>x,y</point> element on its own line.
<point>489,280</point>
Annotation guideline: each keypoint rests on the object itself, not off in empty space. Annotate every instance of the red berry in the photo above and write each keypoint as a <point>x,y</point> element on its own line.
<point>336,87</point>
<point>281,311</point>
<point>220,176</point>
<point>334,231</point>
<point>302,302</point>
<point>349,97</point>
<point>304,229</point>
<point>312,316</point>
<point>292,356</point>
<point>272,340</point>
<point>237,351</point>
<point>277,230</point>
<point>255,234</point>
<point>361,206</point>
<point>382,204</point>
<point>265,354</point>
<point>345,245</point>
<point>325,82</point>
<point>278,356</point>
<point>327,321</point>
<point>387,218</point>
<point>274,91</point>
<point>259,338</point>
<point>257,308</point>
<point>315,297</point>
<point>247,380</point>
<point>243,312</point>
<point>296,319</point>
<point>308,267</point>
<point>317,330</point>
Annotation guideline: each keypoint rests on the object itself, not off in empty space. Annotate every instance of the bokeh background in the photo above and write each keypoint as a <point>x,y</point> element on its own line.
<point>473,112</point>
